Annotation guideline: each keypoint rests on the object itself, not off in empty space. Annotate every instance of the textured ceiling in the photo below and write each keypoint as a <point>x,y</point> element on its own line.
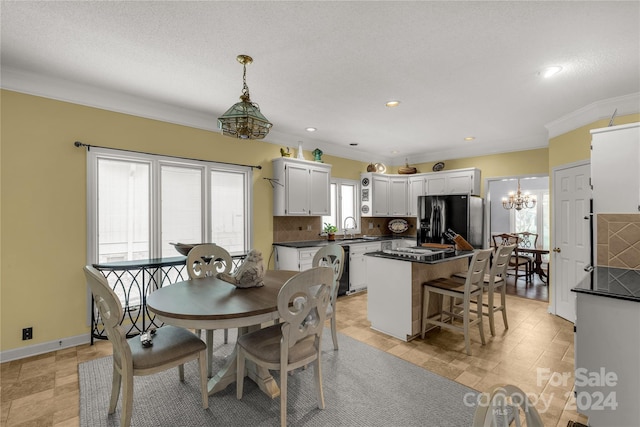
<point>459,68</point>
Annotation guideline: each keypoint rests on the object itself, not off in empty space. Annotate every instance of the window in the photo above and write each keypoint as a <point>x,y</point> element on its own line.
<point>344,205</point>
<point>140,203</point>
<point>534,220</point>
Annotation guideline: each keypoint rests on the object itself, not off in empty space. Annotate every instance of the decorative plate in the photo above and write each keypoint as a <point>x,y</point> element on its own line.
<point>398,225</point>
<point>438,166</point>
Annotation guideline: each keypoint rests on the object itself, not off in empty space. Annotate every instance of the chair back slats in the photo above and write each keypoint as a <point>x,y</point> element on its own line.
<point>527,240</point>
<point>501,261</point>
<point>208,260</point>
<point>302,304</point>
<point>477,269</point>
<point>504,239</point>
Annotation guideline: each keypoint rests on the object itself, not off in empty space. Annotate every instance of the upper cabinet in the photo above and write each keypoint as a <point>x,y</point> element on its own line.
<point>383,195</point>
<point>615,169</point>
<point>459,181</point>
<point>302,187</point>
<point>397,195</point>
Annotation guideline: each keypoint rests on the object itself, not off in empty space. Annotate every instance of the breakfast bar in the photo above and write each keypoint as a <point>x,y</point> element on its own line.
<point>395,279</point>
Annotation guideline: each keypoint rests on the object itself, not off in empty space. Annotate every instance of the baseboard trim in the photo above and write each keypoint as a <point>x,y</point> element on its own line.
<point>45,347</point>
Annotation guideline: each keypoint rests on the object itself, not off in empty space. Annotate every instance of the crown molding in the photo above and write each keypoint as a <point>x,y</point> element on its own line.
<point>625,104</point>
<point>96,97</point>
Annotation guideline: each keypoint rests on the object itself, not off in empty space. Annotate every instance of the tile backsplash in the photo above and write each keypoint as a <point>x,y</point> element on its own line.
<point>300,228</point>
<point>618,240</point>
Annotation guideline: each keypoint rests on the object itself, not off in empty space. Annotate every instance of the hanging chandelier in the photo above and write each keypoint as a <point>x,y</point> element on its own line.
<point>519,201</point>
<point>244,119</point>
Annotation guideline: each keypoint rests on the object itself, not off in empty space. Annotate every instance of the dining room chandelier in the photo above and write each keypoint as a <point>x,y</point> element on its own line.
<point>244,119</point>
<point>519,201</point>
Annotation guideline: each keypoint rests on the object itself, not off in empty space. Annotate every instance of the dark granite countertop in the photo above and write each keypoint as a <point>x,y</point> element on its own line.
<point>434,258</point>
<point>612,283</point>
<point>339,241</point>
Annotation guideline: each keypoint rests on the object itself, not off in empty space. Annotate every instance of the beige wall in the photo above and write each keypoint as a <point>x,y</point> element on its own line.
<point>43,197</point>
<point>43,192</point>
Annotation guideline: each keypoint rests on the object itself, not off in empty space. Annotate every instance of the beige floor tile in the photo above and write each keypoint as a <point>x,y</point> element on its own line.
<point>43,390</point>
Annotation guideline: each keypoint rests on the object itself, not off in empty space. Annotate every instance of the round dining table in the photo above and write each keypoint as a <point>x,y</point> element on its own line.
<point>211,303</point>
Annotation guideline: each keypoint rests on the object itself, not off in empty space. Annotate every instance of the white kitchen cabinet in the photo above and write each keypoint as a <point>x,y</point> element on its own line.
<point>302,187</point>
<point>615,169</point>
<point>380,195</point>
<point>383,195</point>
<point>415,187</point>
<point>607,351</point>
<point>296,259</point>
<point>435,184</point>
<point>357,264</point>
<point>398,195</point>
<point>458,181</point>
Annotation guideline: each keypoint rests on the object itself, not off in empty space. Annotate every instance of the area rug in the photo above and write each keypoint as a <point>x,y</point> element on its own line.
<point>363,386</point>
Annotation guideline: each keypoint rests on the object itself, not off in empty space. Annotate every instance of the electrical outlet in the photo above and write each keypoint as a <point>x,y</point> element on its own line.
<point>308,228</point>
<point>27,333</point>
<point>370,226</point>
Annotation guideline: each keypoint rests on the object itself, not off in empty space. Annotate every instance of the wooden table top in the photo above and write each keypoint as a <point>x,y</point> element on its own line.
<point>213,299</point>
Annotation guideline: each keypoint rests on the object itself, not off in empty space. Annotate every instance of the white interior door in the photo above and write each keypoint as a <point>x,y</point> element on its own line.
<point>571,241</point>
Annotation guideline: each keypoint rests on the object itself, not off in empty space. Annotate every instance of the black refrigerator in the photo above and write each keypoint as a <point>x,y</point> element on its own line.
<point>461,213</point>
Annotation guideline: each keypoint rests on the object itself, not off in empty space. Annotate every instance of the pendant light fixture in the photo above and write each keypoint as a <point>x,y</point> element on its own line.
<point>519,201</point>
<point>244,119</point>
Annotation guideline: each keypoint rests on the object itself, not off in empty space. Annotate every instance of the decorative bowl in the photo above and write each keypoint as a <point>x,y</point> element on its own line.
<point>184,248</point>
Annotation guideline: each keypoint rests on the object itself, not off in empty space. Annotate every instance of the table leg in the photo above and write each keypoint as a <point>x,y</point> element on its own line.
<point>538,268</point>
<point>227,374</point>
<point>209,341</point>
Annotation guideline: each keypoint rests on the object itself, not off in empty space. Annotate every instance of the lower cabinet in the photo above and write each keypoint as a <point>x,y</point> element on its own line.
<point>358,265</point>
<point>607,355</point>
<point>296,259</point>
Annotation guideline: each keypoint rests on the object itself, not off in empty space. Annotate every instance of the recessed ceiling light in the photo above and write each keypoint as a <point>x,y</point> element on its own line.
<point>311,129</point>
<point>550,71</point>
<point>469,138</point>
<point>395,152</point>
<point>392,104</point>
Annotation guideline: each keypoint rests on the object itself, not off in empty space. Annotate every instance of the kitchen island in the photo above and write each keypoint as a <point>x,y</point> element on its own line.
<point>395,279</point>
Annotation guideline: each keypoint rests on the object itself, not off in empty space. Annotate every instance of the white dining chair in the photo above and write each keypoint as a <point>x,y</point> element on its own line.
<point>332,256</point>
<point>171,347</point>
<point>208,260</point>
<point>296,342</point>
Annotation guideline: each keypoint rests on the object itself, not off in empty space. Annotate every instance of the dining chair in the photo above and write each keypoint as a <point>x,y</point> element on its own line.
<point>332,256</point>
<point>517,260</point>
<point>496,280</point>
<point>465,289</point>
<point>527,240</point>
<point>505,405</point>
<point>294,343</point>
<point>171,347</point>
<point>208,260</point>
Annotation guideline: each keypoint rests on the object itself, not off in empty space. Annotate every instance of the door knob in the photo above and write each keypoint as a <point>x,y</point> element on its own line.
<point>558,250</point>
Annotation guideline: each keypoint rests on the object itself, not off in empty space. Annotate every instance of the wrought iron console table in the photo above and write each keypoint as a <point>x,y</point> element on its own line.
<point>133,281</point>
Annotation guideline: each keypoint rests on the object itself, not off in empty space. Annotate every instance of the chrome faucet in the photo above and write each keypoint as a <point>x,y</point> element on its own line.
<point>344,227</point>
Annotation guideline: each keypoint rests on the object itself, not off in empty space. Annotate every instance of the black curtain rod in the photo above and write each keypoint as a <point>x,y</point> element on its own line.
<point>81,144</point>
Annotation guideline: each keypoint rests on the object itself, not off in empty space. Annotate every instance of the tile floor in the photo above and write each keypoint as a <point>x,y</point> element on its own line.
<point>43,390</point>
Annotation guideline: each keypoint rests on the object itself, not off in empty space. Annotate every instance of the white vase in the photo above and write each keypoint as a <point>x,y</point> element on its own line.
<point>300,155</point>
